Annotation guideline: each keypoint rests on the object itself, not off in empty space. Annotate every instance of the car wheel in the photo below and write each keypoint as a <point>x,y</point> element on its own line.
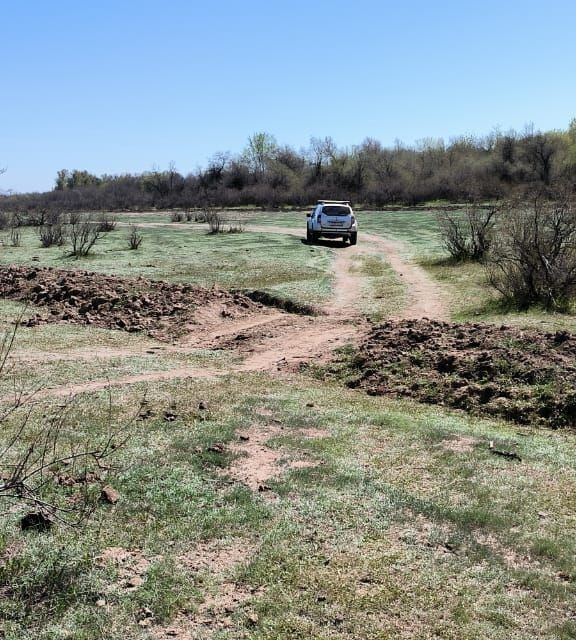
<point>353,238</point>
<point>308,235</point>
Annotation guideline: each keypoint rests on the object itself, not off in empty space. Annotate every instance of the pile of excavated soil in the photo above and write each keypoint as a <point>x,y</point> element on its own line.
<point>161,309</point>
<point>525,376</point>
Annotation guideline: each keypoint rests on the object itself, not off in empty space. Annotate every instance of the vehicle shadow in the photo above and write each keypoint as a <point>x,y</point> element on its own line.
<point>333,244</point>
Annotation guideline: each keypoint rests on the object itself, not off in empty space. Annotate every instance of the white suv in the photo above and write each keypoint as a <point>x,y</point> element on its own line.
<point>332,219</point>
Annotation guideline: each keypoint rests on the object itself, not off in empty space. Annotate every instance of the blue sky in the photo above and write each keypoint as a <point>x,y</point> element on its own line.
<point>115,87</point>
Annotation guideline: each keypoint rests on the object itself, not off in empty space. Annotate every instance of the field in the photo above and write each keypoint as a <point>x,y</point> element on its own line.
<point>265,481</point>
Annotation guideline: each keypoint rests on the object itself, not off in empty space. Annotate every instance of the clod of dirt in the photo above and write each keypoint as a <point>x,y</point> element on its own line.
<point>36,521</point>
<point>109,495</point>
<point>525,376</point>
<point>161,309</point>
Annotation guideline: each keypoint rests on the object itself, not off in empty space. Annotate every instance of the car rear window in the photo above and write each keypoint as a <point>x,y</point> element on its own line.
<point>336,210</point>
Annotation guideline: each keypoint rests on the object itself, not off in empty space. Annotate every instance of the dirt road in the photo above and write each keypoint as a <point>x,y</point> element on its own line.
<point>273,340</point>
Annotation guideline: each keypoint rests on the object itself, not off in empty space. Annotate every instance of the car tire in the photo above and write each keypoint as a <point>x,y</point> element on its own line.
<point>354,238</point>
<point>308,236</point>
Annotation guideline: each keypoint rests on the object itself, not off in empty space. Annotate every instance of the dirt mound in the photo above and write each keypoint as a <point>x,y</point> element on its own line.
<point>525,376</point>
<point>279,302</point>
<point>161,309</point>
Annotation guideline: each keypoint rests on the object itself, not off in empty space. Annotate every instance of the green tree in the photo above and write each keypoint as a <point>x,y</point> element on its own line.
<point>260,151</point>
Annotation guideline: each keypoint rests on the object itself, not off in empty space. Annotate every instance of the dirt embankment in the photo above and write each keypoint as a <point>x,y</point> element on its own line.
<point>161,309</point>
<point>525,376</point>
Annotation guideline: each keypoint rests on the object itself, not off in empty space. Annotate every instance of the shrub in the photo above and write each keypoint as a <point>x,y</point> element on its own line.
<point>134,238</point>
<point>533,262</point>
<point>5,220</point>
<point>52,235</point>
<point>74,217</point>
<point>468,235</point>
<point>15,237</point>
<point>176,216</point>
<point>106,223</point>
<point>214,221</point>
<point>236,227</point>
<point>83,235</point>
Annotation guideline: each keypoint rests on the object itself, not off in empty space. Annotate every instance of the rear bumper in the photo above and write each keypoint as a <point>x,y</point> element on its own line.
<point>336,233</point>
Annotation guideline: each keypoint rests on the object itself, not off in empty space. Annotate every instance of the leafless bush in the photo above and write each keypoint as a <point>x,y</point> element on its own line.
<point>533,260</point>
<point>134,238</point>
<point>15,237</point>
<point>237,226</point>
<point>214,221</point>
<point>74,217</point>
<point>41,466</point>
<point>52,235</point>
<point>106,223</point>
<point>83,235</point>
<point>5,220</point>
<point>468,235</point>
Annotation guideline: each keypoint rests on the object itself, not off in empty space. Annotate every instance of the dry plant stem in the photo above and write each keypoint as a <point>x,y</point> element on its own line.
<point>25,471</point>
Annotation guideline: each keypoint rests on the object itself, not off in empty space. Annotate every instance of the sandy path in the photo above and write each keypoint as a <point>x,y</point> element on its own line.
<point>426,298</point>
<point>275,340</point>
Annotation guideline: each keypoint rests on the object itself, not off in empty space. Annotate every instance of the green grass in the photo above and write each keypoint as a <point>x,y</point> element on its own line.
<point>418,229</point>
<point>383,293</point>
<point>393,519</point>
<point>402,524</point>
<point>187,253</point>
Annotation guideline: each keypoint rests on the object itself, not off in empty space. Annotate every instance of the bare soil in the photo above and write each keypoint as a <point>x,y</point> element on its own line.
<point>525,376</point>
<point>258,462</point>
<point>161,309</point>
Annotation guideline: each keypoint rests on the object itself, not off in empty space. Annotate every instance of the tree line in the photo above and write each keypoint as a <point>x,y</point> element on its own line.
<point>267,174</point>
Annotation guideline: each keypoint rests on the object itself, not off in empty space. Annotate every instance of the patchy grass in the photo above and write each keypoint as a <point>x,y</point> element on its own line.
<point>402,523</point>
<point>395,530</point>
<point>187,253</point>
<point>383,291</point>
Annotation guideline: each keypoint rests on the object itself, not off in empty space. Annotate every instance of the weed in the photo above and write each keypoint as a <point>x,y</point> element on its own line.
<point>135,238</point>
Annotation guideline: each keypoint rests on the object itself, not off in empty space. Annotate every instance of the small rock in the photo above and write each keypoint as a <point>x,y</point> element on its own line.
<point>101,602</point>
<point>253,618</point>
<point>309,404</point>
<point>134,582</point>
<point>145,612</point>
<point>109,495</point>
